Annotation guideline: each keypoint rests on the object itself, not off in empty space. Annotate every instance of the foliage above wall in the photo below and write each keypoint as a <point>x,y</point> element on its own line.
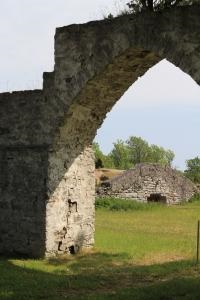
<point>126,154</point>
<point>193,169</point>
<point>136,6</point>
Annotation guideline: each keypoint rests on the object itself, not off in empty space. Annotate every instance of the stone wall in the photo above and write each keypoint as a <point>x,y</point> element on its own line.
<point>23,173</point>
<point>150,182</point>
<point>70,208</point>
<point>46,170</point>
<point>22,200</point>
<point>46,194</point>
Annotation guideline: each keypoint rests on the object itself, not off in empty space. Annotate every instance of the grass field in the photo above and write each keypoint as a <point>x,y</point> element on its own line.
<point>146,253</point>
<point>150,233</point>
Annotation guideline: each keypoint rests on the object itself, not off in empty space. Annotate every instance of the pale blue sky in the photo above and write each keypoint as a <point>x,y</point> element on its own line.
<point>162,107</point>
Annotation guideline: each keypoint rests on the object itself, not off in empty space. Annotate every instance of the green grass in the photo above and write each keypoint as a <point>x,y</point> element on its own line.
<point>143,253</point>
<point>156,233</point>
<point>115,204</point>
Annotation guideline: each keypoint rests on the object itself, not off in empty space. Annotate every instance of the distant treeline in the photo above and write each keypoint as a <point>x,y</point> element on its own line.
<point>126,154</point>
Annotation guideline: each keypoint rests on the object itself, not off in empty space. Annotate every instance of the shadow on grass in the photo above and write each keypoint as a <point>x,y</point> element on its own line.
<point>97,276</point>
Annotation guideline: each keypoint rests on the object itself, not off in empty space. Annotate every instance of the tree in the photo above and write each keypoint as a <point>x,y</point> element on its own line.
<point>136,6</point>
<point>161,156</point>
<point>108,162</point>
<point>99,156</point>
<point>120,155</point>
<point>138,149</point>
<point>193,169</point>
<point>141,152</point>
<point>102,160</point>
<point>126,154</point>
<point>169,156</point>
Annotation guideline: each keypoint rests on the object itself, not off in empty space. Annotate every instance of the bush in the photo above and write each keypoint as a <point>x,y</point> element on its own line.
<point>116,204</point>
<point>195,198</point>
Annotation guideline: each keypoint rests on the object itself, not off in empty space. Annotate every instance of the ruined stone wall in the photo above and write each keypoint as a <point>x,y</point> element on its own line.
<point>21,120</point>
<point>145,180</point>
<point>70,182</point>
<point>46,172</point>
<point>70,208</point>
<point>46,194</point>
<point>95,63</point>
<point>22,200</point>
<point>23,174</point>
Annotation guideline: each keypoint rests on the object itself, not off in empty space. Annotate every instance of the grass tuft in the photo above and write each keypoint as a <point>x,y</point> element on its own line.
<point>115,204</point>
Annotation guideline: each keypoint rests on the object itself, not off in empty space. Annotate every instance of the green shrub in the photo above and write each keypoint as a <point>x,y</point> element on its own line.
<point>195,198</point>
<point>116,204</point>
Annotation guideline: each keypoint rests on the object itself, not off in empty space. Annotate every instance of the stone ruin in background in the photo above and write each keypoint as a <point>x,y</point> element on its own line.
<point>149,183</point>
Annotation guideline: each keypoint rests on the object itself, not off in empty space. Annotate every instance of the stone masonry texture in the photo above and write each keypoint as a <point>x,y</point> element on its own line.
<point>150,182</point>
<point>47,185</point>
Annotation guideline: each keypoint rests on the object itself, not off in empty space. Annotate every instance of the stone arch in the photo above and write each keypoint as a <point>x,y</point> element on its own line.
<point>49,131</point>
<point>95,64</point>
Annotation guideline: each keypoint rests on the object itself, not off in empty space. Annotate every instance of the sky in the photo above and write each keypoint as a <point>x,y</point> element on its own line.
<point>162,107</point>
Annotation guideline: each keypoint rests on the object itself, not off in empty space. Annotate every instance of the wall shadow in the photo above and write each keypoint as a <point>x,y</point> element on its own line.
<point>98,276</point>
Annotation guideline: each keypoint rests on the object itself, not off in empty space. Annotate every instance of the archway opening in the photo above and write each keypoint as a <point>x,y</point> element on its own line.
<point>157,198</point>
<point>158,107</point>
<point>167,120</point>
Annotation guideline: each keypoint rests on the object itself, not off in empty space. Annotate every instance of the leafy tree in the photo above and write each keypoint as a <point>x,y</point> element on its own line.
<point>138,149</point>
<point>102,160</point>
<point>193,169</point>
<point>126,154</point>
<point>169,154</point>
<point>160,155</point>
<point>140,152</point>
<point>120,155</point>
<point>99,156</point>
<point>108,161</point>
<point>136,6</point>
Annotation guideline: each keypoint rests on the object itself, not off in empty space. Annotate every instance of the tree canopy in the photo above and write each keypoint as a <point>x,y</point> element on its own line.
<point>136,6</point>
<point>126,154</point>
<point>193,169</point>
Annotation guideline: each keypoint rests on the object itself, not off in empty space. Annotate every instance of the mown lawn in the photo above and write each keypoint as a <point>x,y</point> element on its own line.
<point>142,254</point>
<point>152,234</point>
